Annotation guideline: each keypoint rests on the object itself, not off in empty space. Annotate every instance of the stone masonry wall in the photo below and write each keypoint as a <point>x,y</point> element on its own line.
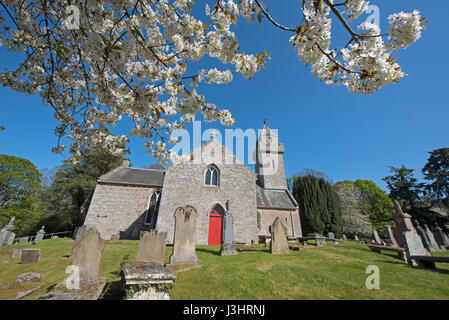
<point>290,218</point>
<point>184,185</point>
<point>118,208</point>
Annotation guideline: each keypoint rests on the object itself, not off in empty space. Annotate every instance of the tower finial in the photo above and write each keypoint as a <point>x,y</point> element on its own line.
<point>265,122</point>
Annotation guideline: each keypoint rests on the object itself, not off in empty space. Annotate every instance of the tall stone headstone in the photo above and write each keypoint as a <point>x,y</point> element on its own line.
<point>344,237</point>
<point>279,243</point>
<point>432,240</point>
<point>86,254</point>
<point>413,247</point>
<point>184,244</point>
<point>356,238</point>
<point>331,235</point>
<point>425,239</point>
<point>6,234</point>
<point>228,243</point>
<point>152,247</point>
<point>39,235</point>
<point>402,223</point>
<point>391,236</point>
<point>439,237</point>
<point>376,237</point>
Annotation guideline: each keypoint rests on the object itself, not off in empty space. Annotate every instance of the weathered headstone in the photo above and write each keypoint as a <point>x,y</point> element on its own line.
<point>439,237</point>
<point>376,237</point>
<point>432,240</point>
<point>228,243</point>
<point>402,223</point>
<point>413,247</point>
<point>10,239</point>
<point>345,237</point>
<point>39,235</point>
<point>147,281</point>
<point>331,235</point>
<point>184,244</point>
<point>391,236</point>
<point>152,247</point>
<point>86,254</point>
<point>279,243</point>
<point>22,239</point>
<point>30,256</point>
<point>6,233</point>
<point>356,238</point>
<point>425,239</point>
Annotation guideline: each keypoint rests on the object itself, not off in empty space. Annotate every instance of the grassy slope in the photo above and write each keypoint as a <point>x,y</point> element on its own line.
<point>333,272</point>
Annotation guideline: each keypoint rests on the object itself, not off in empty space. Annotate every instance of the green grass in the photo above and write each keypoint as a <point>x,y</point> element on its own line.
<point>332,272</point>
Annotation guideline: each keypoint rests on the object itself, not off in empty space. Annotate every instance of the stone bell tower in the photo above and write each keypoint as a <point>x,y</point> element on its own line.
<point>270,160</point>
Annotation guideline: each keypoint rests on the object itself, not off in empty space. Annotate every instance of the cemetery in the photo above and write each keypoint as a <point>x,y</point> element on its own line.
<point>312,267</point>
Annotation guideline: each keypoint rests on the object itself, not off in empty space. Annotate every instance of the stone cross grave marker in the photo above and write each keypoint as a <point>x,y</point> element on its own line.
<point>184,244</point>
<point>279,242</point>
<point>152,247</point>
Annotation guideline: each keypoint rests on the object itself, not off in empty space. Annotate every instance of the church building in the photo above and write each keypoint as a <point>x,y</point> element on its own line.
<point>129,200</point>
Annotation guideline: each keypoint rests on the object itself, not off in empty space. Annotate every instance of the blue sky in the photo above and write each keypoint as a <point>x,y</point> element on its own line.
<point>326,128</point>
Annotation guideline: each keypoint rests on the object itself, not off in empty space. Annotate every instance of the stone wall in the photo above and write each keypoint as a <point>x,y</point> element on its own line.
<point>119,209</point>
<point>184,185</point>
<point>290,218</point>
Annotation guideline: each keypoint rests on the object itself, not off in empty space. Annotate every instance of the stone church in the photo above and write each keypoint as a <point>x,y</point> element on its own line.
<point>129,200</point>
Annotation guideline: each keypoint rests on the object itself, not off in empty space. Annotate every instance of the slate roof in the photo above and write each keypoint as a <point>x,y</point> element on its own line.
<point>134,176</point>
<point>276,199</point>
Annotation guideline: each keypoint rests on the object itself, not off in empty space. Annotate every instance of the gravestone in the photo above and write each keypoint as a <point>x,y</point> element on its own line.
<point>279,243</point>
<point>345,237</point>
<point>228,243</point>
<point>331,235</point>
<point>432,240</point>
<point>184,244</point>
<point>10,239</point>
<point>152,247</point>
<point>39,235</point>
<point>391,236</point>
<point>402,223</point>
<point>439,237</point>
<point>376,237</point>
<point>86,254</point>
<point>425,239</point>
<point>413,247</point>
<point>356,238</point>
<point>147,281</point>
<point>30,256</point>
<point>17,254</point>
<point>5,233</point>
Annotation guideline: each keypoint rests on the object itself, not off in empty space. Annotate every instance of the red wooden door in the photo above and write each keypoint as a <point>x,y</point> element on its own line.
<point>215,225</point>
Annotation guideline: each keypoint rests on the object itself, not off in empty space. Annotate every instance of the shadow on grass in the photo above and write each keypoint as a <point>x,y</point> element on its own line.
<point>215,252</point>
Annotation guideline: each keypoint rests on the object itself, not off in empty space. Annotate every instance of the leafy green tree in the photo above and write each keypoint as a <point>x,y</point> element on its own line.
<point>369,200</point>
<point>319,205</point>
<point>437,171</point>
<point>19,179</point>
<point>404,187</point>
<point>29,215</point>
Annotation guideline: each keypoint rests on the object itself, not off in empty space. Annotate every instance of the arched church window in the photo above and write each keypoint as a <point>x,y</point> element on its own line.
<point>212,177</point>
<point>153,208</point>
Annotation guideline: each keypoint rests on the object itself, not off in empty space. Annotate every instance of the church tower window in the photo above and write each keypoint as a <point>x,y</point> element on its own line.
<point>153,208</point>
<point>212,177</point>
